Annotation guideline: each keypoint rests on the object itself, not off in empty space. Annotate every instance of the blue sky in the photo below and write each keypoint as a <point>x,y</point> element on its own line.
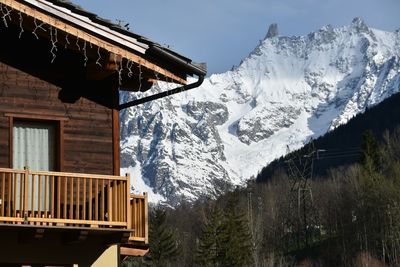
<point>222,32</point>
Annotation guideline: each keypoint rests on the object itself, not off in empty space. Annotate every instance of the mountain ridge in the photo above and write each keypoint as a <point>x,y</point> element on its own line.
<point>288,90</point>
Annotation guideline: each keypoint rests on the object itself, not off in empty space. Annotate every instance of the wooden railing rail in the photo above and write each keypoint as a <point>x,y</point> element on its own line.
<point>64,198</point>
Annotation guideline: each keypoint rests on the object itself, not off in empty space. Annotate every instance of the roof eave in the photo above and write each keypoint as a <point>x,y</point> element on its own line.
<point>86,23</point>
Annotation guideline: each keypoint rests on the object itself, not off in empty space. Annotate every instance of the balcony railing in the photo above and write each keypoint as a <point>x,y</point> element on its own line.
<point>139,218</point>
<point>71,199</point>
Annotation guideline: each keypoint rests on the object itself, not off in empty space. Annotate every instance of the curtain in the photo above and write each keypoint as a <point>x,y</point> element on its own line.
<point>33,148</point>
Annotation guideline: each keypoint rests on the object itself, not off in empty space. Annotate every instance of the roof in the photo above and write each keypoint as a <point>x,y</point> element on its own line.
<point>124,43</point>
<point>153,47</point>
<point>74,8</point>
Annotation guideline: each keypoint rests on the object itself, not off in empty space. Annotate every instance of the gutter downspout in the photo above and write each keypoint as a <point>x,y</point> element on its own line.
<point>161,95</point>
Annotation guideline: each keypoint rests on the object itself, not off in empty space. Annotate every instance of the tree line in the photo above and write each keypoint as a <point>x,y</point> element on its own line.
<point>348,217</point>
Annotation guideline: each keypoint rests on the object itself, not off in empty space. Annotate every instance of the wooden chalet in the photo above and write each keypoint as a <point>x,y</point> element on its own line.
<point>63,201</point>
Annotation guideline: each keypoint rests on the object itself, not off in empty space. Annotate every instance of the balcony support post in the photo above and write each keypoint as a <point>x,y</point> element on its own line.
<point>128,201</point>
<point>146,218</point>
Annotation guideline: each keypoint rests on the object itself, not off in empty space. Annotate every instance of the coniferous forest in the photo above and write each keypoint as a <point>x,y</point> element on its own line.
<point>297,213</point>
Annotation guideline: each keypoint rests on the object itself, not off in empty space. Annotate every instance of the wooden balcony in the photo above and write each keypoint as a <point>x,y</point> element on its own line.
<point>72,200</point>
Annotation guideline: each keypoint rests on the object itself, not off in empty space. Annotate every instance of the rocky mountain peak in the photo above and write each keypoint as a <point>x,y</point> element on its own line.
<point>359,24</point>
<point>272,31</point>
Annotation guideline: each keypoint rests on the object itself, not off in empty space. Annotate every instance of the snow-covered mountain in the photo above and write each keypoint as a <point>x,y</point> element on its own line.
<point>288,90</point>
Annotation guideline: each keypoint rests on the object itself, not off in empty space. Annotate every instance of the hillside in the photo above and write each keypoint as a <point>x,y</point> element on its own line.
<point>341,146</point>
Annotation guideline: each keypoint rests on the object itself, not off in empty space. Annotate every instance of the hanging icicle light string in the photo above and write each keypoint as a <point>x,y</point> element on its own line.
<point>6,18</point>
<point>21,20</point>
<point>120,69</point>
<point>6,13</point>
<point>66,41</point>
<point>129,64</point>
<point>54,34</point>
<point>84,53</point>
<point>99,57</point>
<point>53,39</point>
<point>37,27</point>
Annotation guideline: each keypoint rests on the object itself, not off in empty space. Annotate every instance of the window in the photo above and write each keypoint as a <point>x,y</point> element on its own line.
<point>34,146</point>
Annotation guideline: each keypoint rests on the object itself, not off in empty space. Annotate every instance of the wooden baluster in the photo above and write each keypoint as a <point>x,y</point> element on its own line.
<point>65,189</point>
<point>84,199</point>
<point>58,197</point>
<point>109,201</point>
<point>96,203</point>
<point>3,191</point>
<point>15,194</point>
<point>118,203</point>
<point>102,201</point>
<point>39,194</point>
<point>131,205</point>
<point>46,195</point>
<point>77,199</point>
<point>122,199</point>
<point>71,198</point>
<point>90,198</point>
<point>33,196</point>
<point>134,201</point>
<point>26,192</point>
<point>134,224</point>
<point>21,183</point>
<point>140,216</point>
<point>124,203</point>
<point>137,210</point>
<point>52,196</point>
<point>9,194</point>
<point>135,216</point>
<point>114,201</point>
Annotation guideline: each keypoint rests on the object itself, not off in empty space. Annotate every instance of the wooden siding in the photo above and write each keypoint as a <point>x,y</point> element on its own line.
<point>88,127</point>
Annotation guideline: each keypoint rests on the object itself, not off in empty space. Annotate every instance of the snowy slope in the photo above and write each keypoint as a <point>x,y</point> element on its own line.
<point>288,90</point>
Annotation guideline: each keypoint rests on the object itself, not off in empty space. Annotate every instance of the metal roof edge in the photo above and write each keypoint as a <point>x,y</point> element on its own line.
<point>86,23</point>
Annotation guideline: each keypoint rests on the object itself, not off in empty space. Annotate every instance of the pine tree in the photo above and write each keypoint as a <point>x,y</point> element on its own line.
<point>226,239</point>
<point>240,249</point>
<point>370,158</point>
<point>163,243</point>
<point>213,240</point>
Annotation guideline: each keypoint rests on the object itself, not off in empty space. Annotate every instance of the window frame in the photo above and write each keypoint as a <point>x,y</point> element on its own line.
<point>58,123</point>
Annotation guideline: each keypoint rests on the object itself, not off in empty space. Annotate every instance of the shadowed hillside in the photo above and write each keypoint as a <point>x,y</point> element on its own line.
<point>342,146</point>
